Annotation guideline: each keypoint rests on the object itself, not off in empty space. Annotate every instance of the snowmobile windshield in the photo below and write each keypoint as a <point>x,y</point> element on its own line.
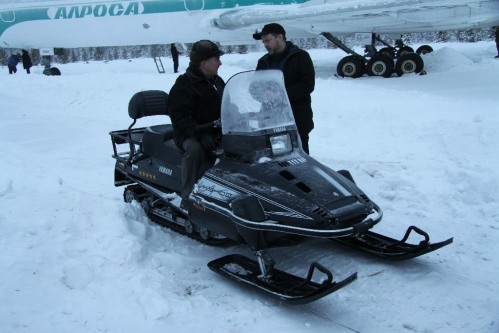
<point>256,102</point>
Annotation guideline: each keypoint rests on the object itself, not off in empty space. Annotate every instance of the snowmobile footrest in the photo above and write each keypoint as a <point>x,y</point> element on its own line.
<point>288,287</point>
<point>390,248</point>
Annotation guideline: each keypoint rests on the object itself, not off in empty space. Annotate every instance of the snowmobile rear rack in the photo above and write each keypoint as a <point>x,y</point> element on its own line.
<point>287,287</point>
<point>390,248</point>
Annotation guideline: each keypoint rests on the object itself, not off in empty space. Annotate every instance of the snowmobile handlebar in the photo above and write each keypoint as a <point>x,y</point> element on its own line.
<point>214,124</point>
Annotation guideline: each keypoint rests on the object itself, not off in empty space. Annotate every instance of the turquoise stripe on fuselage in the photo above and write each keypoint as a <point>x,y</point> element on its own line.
<point>15,15</point>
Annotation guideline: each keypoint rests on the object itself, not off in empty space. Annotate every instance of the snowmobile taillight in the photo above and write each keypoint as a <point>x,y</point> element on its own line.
<point>281,144</point>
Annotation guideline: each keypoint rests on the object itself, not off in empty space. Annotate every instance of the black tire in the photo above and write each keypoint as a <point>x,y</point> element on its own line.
<point>55,71</point>
<point>380,65</point>
<point>424,49</point>
<point>403,50</point>
<point>388,51</point>
<point>350,66</point>
<point>52,71</point>
<point>409,63</point>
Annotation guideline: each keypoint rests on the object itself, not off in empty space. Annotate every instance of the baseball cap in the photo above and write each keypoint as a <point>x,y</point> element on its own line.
<point>203,50</point>
<point>271,28</point>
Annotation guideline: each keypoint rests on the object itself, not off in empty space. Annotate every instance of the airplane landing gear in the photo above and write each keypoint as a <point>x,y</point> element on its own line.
<point>399,58</point>
<point>49,70</point>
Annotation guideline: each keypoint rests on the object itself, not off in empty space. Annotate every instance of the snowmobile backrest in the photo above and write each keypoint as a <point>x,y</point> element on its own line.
<point>143,104</point>
<point>148,103</point>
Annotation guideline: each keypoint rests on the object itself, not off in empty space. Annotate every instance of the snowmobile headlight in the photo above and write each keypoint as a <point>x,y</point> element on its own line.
<point>281,144</point>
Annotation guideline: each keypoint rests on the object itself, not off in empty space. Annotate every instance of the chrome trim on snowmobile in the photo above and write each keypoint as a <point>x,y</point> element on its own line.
<point>260,197</point>
<point>275,226</point>
<point>332,181</point>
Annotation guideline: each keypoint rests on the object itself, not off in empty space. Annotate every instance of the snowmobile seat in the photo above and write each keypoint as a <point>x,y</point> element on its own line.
<point>154,139</point>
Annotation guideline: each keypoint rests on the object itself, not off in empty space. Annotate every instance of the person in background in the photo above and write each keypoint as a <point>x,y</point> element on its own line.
<point>12,63</point>
<point>195,100</point>
<point>27,64</point>
<point>299,75</point>
<point>175,53</point>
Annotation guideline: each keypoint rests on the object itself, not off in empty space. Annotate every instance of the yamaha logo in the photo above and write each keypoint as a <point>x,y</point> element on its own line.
<point>166,171</point>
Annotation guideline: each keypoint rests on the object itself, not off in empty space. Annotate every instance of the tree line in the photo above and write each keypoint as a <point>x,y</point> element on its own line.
<point>151,51</point>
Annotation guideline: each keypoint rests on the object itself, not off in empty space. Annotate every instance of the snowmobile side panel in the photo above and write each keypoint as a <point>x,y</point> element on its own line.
<point>211,220</point>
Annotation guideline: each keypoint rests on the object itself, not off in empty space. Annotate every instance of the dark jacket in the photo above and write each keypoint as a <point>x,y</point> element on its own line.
<point>194,100</point>
<point>299,79</point>
<point>26,60</point>
<point>174,51</point>
<point>13,60</point>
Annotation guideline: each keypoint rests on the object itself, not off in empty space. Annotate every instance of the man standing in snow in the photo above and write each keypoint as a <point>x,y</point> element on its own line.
<point>195,100</point>
<point>27,64</point>
<point>175,53</point>
<point>299,75</point>
<point>12,63</point>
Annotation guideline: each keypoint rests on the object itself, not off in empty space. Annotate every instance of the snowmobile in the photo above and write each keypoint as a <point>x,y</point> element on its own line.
<point>261,189</point>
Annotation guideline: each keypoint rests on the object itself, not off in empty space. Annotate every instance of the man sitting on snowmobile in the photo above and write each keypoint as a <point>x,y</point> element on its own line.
<point>194,101</point>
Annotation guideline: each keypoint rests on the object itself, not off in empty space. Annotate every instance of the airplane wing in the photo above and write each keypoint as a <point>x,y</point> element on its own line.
<point>83,23</point>
<point>380,16</point>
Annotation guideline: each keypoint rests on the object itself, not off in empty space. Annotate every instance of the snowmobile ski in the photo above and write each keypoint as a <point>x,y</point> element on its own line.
<point>287,287</point>
<point>390,248</point>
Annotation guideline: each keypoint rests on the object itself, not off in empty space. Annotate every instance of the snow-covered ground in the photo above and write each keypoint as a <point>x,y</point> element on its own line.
<point>75,258</point>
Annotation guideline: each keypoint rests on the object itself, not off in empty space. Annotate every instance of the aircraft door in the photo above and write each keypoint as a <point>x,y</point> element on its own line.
<point>194,5</point>
<point>8,15</point>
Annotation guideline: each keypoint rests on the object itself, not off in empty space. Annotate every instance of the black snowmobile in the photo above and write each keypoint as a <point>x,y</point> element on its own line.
<point>262,189</point>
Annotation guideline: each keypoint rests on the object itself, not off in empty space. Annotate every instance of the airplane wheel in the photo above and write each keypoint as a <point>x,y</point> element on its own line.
<point>52,71</point>
<point>388,51</point>
<point>55,71</point>
<point>403,50</point>
<point>424,49</point>
<point>409,63</point>
<point>350,66</point>
<point>380,65</point>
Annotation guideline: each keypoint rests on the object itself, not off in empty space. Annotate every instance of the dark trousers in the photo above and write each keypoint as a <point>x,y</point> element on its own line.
<point>304,142</point>
<point>175,64</point>
<point>12,69</point>
<point>194,164</point>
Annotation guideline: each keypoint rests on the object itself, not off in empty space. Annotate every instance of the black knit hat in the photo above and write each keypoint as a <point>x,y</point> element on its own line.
<point>204,50</point>
<point>271,28</point>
